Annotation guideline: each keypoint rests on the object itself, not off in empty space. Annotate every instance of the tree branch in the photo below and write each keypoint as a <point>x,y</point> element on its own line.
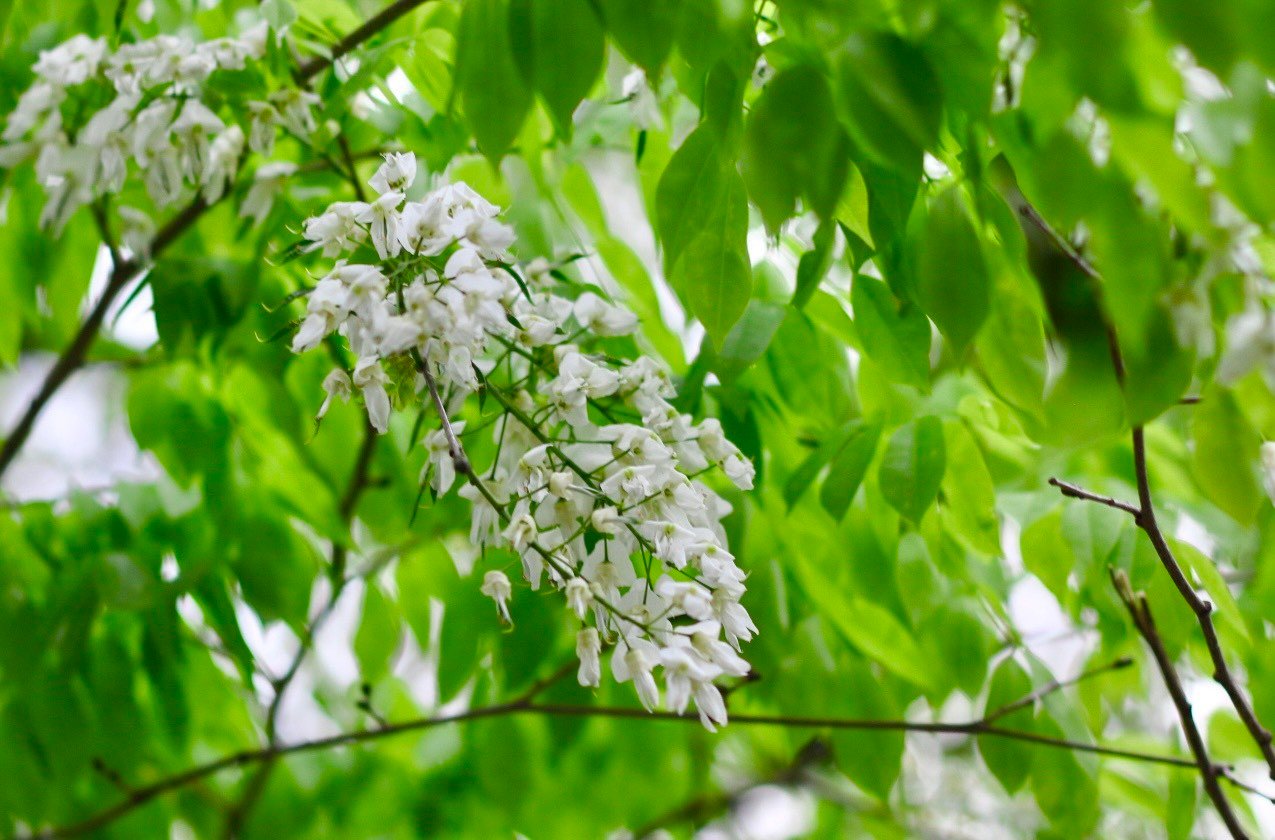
<point>73,357</point>
<point>1075,492</point>
<point>375,24</point>
<point>1145,518</point>
<point>525,705</point>
<point>1052,686</point>
<point>1140,612</point>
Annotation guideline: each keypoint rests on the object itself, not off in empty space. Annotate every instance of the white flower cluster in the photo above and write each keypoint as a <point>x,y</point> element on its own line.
<point>594,481</point>
<point>155,119</point>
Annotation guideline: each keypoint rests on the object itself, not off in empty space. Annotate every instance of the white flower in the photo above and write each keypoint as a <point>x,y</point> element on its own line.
<point>606,520</point>
<point>603,318</point>
<point>440,458</point>
<point>683,667</point>
<point>589,649</point>
<point>336,384</point>
<point>370,377</point>
<point>223,163</point>
<point>107,131</point>
<point>496,586</point>
<point>336,230</point>
<point>193,131</point>
<point>36,103</point>
<point>740,471</point>
<point>735,621</point>
<point>151,129</point>
<point>137,231</point>
<point>267,183</point>
<point>396,174</point>
<point>579,596</point>
<point>420,228</point>
<point>71,62</point>
<point>633,660</point>
<point>688,596</point>
<point>295,110</point>
<point>261,130</point>
<point>381,217</point>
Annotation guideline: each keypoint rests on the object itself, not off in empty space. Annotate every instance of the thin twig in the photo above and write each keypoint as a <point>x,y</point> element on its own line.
<point>1140,612</point>
<point>1053,686</point>
<point>375,24</point>
<point>1145,518</point>
<point>1075,492</point>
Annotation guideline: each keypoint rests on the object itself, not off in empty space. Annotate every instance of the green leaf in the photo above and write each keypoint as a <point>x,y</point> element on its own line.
<point>952,276</point>
<point>912,467</point>
<point>872,760</point>
<point>717,281</point>
<point>793,147</point>
<point>643,30</point>
<point>1225,456</point>
<point>378,635</point>
<point>1047,555</point>
<point>493,93</point>
<point>889,97</point>
<point>748,338</point>
<point>876,632</point>
<point>1009,760</point>
<point>697,191</point>
<point>566,44</point>
<point>814,264</point>
<point>969,498</point>
<point>848,468</point>
<point>895,334</point>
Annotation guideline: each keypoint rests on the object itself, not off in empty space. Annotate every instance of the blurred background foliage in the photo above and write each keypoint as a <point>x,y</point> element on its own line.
<point>822,211</point>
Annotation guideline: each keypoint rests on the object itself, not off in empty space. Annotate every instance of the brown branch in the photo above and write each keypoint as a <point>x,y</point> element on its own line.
<point>73,357</point>
<point>1052,686</point>
<point>1075,492</point>
<point>1140,612</point>
<point>1145,518</point>
<point>524,705</point>
<point>375,24</point>
<point>1203,609</point>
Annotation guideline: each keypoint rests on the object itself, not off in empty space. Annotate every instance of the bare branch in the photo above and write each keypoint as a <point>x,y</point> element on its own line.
<point>1140,612</point>
<point>1053,686</point>
<point>524,704</point>
<point>1075,492</point>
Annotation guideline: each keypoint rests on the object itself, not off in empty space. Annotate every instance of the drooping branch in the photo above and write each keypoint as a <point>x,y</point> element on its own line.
<point>72,358</point>
<point>1140,612</point>
<point>525,704</point>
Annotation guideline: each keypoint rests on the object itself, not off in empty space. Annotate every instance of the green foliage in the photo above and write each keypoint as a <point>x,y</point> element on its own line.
<point>940,254</point>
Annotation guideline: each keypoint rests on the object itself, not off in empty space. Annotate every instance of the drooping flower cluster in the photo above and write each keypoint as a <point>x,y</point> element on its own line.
<point>594,482</point>
<point>153,118</point>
